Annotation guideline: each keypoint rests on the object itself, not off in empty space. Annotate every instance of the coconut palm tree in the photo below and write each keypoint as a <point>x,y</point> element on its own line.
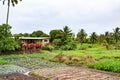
<point>116,35</point>
<point>13,2</point>
<point>66,34</point>
<point>93,38</point>
<point>101,38</point>
<point>81,36</point>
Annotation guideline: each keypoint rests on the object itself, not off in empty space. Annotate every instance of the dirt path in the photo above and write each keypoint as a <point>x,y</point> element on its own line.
<point>65,73</point>
<point>76,73</point>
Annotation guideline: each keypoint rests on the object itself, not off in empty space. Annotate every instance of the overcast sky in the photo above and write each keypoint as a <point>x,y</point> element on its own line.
<point>92,15</point>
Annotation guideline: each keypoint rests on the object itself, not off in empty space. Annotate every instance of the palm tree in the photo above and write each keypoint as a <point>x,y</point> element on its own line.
<point>116,35</point>
<point>109,37</point>
<point>81,36</point>
<point>13,2</point>
<point>101,38</point>
<point>93,38</point>
<point>66,34</point>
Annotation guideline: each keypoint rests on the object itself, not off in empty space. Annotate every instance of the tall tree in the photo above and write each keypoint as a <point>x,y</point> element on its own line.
<point>81,36</point>
<point>93,38</point>
<point>7,43</point>
<point>101,38</point>
<point>39,33</point>
<point>109,37</point>
<point>67,34</point>
<point>116,35</point>
<point>55,34</point>
<point>13,2</point>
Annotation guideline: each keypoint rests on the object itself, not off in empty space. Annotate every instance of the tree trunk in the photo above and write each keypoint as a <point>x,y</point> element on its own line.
<point>8,12</point>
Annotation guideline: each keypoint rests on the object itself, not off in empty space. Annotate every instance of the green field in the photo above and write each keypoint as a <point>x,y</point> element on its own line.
<point>108,60</point>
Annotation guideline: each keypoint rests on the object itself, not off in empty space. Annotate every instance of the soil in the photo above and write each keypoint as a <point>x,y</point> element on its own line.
<point>17,77</point>
<point>76,73</point>
<point>65,73</point>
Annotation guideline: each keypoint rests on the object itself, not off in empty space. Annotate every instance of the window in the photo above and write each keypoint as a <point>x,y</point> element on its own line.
<point>45,40</point>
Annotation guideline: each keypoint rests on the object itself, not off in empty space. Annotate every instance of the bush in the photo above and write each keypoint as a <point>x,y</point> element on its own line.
<point>8,44</point>
<point>69,46</point>
<point>48,47</point>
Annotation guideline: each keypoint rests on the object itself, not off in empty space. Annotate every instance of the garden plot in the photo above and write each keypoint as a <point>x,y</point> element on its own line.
<point>26,64</point>
<point>9,69</point>
<point>74,73</point>
<point>32,63</point>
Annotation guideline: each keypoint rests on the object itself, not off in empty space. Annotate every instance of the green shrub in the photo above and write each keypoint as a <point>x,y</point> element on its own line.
<point>69,46</point>
<point>7,43</point>
<point>48,47</point>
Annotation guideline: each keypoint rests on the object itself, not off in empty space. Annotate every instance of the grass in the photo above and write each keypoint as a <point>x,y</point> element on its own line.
<point>107,65</point>
<point>108,60</point>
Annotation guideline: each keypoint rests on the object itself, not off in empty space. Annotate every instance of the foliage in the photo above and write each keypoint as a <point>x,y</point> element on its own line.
<point>13,2</point>
<point>81,36</point>
<point>69,46</point>
<point>101,38</point>
<point>48,47</point>
<point>6,41</point>
<point>8,44</point>
<point>93,38</point>
<point>117,36</point>
<point>30,46</point>
<point>5,31</point>
<point>107,65</point>
<point>38,34</point>
<point>109,37</point>
<point>57,42</point>
<point>99,53</point>
<point>3,62</point>
<point>67,35</point>
<point>17,36</point>
<point>55,34</point>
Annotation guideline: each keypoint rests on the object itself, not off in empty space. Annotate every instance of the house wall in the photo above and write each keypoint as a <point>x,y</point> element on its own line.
<point>39,41</point>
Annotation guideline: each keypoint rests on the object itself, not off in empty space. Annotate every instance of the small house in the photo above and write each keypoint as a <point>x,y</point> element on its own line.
<point>39,40</point>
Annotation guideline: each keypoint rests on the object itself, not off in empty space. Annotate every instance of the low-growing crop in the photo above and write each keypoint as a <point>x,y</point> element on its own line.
<point>107,65</point>
<point>3,62</point>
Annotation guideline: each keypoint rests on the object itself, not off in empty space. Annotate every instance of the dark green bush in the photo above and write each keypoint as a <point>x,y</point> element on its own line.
<point>69,46</point>
<point>7,43</point>
<point>48,47</point>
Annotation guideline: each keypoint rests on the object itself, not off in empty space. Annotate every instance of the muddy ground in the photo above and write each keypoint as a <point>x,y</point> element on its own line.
<point>17,77</point>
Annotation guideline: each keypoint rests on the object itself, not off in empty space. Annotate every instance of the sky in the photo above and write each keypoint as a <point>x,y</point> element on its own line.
<point>91,15</point>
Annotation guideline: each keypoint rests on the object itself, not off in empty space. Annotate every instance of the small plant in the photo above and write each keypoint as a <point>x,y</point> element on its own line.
<point>3,62</point>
